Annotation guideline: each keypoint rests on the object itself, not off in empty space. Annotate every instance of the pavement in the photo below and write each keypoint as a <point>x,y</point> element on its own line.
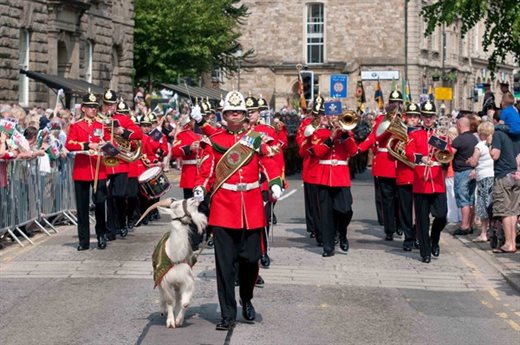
<point>374,294</point>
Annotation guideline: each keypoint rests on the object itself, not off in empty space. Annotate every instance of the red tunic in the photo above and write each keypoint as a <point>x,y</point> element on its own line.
<point>332,158</point>
<point>81,133</point>
<point>304,145</point>
<point>131,132</point>
<point>154,150</point>
<point>427,180</point>
<point>383,164</point>
<point>181,148</point>
<point>236,209</point>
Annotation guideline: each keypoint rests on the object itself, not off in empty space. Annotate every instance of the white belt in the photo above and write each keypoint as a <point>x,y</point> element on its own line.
<point>382,150</point>
<point>240,187</point>
<point>190,161</point>
<point>333,162</point>
<point>433,164</point>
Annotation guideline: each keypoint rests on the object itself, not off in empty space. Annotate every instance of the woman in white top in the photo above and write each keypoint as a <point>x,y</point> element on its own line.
<point>484,173</point>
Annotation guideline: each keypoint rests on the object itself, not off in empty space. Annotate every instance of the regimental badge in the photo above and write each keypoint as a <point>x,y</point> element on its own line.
<point>234,99</point>
<point>92,97</point>
<point>249,102</point>
<point>395,94</point>
<point>108,95</point>
<point>233,157</point>
<point>428,106</point>
<point>204,106</point>
<point>261,102</point>
<point>412,107</point>
<point>121,106</point>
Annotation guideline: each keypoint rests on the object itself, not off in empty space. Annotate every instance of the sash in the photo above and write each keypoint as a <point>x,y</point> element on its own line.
<point>161,262</point>
<point>235,158</point>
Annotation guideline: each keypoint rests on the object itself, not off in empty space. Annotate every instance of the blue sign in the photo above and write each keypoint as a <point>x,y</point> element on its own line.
<point>338,85</point>
<point>333,108</point>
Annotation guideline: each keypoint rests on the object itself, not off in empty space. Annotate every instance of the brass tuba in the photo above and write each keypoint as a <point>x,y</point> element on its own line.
<point>443,156</point>
<point>127,151</point>
<point>348,120</point>
<point>383,125</point>
<point>397,143</point>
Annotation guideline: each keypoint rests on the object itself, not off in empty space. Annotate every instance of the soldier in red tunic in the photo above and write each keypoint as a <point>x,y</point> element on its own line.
<point>231,176</point>
<point>122,125</point>
<point>428,184</point>
<point>86,135</point>
<point>383,168</point>
<point>404,181</point>
<point>332,147</point>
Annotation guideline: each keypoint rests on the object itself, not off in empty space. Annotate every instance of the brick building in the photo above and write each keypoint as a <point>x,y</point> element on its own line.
<point>350,36</point>
<point>67,43</point>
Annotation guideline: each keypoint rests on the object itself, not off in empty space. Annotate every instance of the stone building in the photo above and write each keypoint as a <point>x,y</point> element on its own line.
<point>351,36</point>
<point>64,44</point>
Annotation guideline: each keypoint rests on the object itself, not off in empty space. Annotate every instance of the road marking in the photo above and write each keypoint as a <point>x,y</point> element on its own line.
<point>493,293</point>
<point>510,322</point>
<point>288,194</point>
<point>487,304</point>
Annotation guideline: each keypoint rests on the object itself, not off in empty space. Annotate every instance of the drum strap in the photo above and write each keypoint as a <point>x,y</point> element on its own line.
<point>236,157</point>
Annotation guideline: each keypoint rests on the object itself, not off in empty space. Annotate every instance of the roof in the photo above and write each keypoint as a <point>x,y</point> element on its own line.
<point>199,92</point>
<point>69,86</point>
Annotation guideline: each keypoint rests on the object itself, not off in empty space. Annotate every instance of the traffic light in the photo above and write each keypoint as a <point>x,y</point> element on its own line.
<point>308,84</point>
<point>474,97</point>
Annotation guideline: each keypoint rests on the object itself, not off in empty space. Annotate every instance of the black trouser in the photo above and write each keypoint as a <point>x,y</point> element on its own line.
<point>377,197</point>
<point>335,214</point>
<point>82,189</point>
<point>388,190</point>
<point>132,199</point>
<point>268,206</point>
<point>437,205</point>
<point>310,192</point>
<point>405,199</point>
<point>116,204</point>
<point>234,246</point>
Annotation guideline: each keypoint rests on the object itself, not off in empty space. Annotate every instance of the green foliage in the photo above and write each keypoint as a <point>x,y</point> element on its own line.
<point>185,37</point>
<point>501,19</point>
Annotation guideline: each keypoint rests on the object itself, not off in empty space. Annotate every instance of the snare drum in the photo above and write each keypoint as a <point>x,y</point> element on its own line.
<point>153,183</point>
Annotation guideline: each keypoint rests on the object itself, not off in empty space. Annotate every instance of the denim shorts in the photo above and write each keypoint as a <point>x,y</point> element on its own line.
<point>464,189</point>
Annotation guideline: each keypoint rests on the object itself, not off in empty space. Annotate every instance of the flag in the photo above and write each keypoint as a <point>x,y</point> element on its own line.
<point>403,90</point>
<point>360,97</point>
<point>303,101</point>
<point>378,96</point>
<point>430,94</point>
<point>394,85</point>
<point>408,92</point>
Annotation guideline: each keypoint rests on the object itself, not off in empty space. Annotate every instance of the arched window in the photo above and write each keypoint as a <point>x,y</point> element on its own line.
<point>23,85</point>
<point>315,29</point>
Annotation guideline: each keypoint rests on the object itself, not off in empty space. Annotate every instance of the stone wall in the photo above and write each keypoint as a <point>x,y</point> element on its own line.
<point>57,44</point>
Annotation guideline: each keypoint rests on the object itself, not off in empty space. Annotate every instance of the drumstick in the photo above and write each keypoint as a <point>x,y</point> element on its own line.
<point>96,174</point>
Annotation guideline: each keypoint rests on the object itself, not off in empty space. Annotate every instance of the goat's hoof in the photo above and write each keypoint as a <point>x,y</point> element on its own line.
<point>178,323</point>
<point>170,323</point>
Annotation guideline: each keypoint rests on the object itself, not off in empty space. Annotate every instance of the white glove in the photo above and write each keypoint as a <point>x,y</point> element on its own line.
<point>276,191</point>
<point>196,114</point>
<point>198,193</point>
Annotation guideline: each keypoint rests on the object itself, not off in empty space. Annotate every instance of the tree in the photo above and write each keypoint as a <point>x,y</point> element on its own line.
<point>185,37</point>
<point>501,20</point>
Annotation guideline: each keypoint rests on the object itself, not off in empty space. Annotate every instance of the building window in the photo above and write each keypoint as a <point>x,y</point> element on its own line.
<point>315,33</point>
<point>88,61</point>
<point>23,86</point>
<point>216,75</point>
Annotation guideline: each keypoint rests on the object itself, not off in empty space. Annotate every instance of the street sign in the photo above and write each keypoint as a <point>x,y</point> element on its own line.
<point>338,85</point>
<point>333,108</point>
<point>380,75</point>
<point>443,93</point>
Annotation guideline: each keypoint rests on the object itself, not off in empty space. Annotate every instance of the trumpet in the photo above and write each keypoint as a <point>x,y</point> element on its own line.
<point>443,156</point>
<point>348,120</point>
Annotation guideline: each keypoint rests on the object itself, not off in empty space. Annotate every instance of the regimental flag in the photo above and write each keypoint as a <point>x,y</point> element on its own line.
<point>430,94</point>
<point>378,96</point>
<point>408,92</point>
<point>394,85</point>
<point>360,97</point>
<point>403,90</point>
<point>303,101</point>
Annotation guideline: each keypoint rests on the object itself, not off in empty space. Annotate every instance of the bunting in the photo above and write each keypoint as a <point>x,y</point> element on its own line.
<point>303,101</point>
<point>360,97</point>
<point>378,96</point>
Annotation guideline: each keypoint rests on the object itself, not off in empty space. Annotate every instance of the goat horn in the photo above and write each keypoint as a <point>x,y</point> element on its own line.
<point>162,203</point>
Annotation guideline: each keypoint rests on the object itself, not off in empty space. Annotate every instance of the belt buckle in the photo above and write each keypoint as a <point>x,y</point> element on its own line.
<point>241,187</point>
<point>333,162</point>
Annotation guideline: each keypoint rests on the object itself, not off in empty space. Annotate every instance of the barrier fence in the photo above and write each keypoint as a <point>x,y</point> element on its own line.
<point>38,194</point>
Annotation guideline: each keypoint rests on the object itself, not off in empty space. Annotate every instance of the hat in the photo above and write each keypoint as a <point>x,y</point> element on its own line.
<point>221,103</point>
<point>395,96</point>
<point>90,100</point>
<point>412,109</point>
<point>234,101</point>
<point>134,119</point>
<point>122,108</point>
<point>206,109</point>
<point>262,104</point>
<point>251,103</point>
<point>110,96</point>
<point>428,109</point>
<point>318,106</point>
<point>148,119</point>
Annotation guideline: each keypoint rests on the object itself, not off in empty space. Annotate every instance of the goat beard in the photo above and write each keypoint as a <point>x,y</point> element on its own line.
<point>200,221</point>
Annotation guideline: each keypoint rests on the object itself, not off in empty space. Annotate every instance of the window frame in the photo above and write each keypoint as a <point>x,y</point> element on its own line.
<point>23,61</point>
<point>315,35</point>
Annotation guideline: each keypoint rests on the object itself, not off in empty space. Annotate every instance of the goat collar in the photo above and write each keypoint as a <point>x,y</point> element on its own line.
<point>186,213</point>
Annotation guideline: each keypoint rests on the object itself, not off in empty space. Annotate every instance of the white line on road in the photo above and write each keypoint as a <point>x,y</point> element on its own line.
<point>288,194</point>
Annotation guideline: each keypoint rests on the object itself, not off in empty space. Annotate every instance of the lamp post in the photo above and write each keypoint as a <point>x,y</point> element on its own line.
<point>238,56</point>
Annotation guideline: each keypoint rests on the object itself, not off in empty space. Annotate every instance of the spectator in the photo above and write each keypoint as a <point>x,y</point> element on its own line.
<point>484,175</point>
<point>463,147</point>
<point>453,211</point>
<point>506,189</point>
<point>511,119</point>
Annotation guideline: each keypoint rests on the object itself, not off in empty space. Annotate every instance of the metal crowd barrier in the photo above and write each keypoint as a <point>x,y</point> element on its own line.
<point>29,195</point>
